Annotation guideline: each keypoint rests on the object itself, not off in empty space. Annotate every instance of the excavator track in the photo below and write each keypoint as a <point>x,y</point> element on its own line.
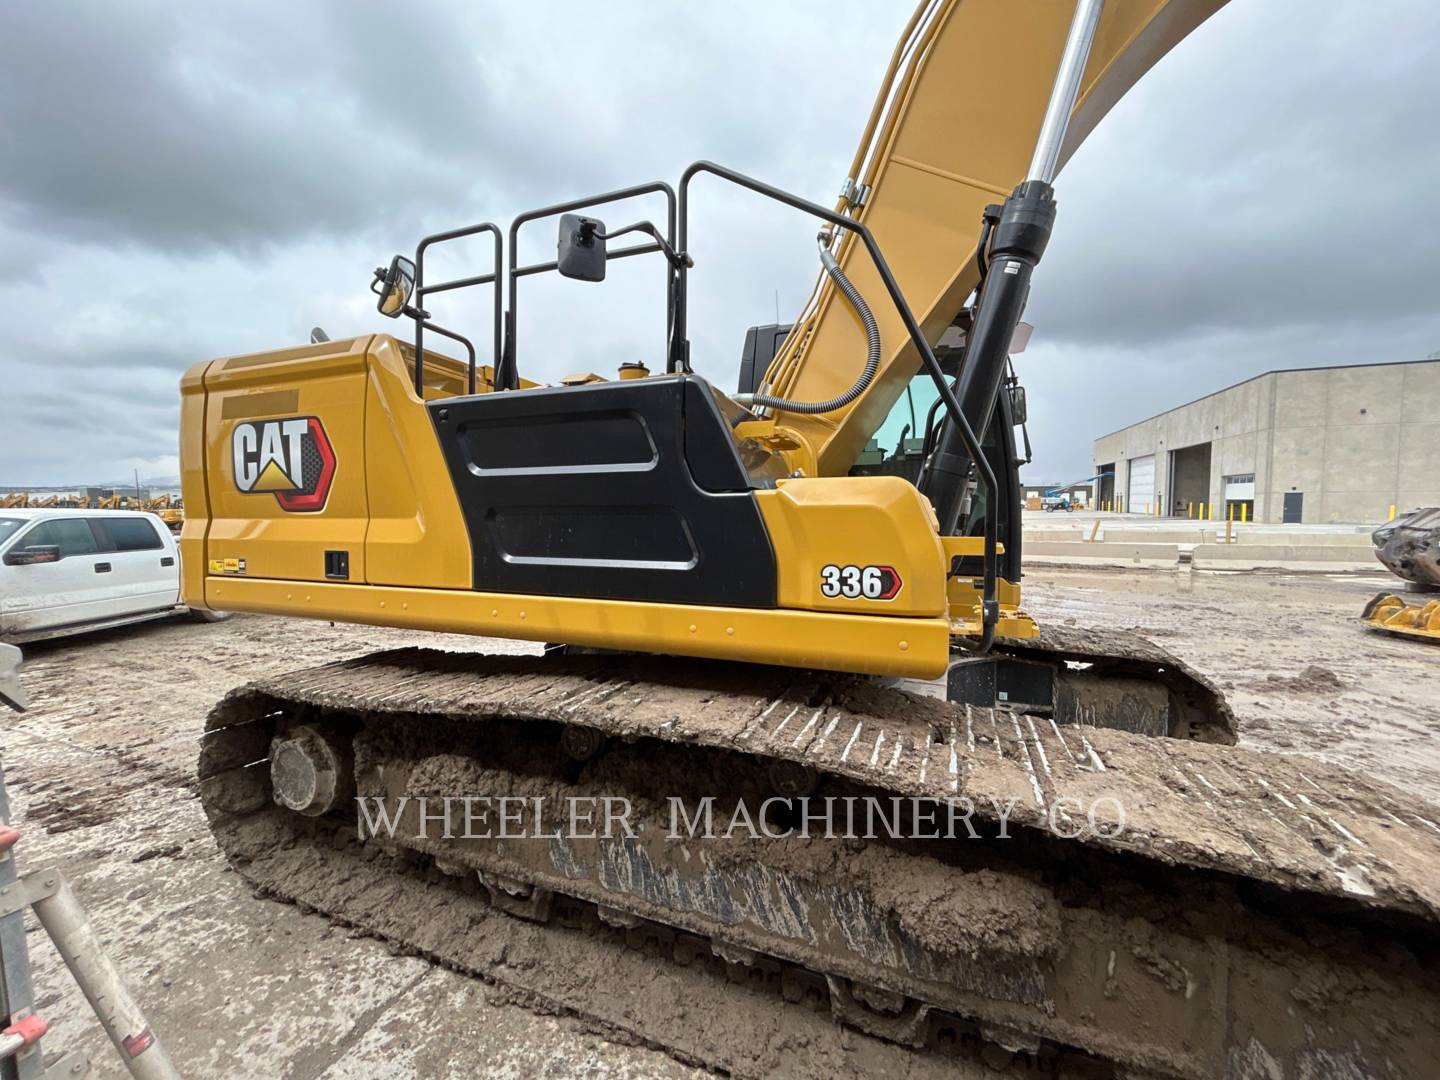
<point>1118,679</point>
<point>1123,904</point>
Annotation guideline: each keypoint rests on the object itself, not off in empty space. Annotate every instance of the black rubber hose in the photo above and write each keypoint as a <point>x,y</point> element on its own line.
<point>872,360</point>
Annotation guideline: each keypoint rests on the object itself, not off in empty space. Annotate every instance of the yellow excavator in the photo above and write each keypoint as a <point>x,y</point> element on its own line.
<point>767,604</point>
<point>1409,547</point>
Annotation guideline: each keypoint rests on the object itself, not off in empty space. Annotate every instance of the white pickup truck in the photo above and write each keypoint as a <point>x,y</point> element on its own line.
<point>67,571</point>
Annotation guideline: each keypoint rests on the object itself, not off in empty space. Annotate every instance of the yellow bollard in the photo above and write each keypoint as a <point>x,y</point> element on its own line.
<point>1202,511</point>
<point>1244,512</point>
<point>1189,510</point>
<point>1392,513</point>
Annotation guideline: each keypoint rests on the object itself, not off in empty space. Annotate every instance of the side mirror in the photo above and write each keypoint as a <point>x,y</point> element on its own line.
<point>580,252</point>
<point>1018,411</point>
<point>29,556</point>
<point>394,287</point>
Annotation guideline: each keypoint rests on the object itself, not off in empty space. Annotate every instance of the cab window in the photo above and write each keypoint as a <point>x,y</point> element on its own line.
<point>71,535</point>
<point>896,448</point>
<point>8,528</point>
<point>129,534</point>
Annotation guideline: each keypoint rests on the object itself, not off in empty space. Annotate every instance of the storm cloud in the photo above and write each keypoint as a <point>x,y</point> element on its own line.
<point>184,181</point>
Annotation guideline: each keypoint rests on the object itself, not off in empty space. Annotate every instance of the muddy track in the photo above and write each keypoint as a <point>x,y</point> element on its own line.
<point>1247,914</point>
<point>1198,709</point>
<point>644,984</point>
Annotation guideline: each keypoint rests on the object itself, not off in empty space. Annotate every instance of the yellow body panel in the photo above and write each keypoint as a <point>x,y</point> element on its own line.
<point>966,613</point>
<point>392,508</point>
<point>854,521</point>
<point>328,381</point>
<point>417,535</point>
<point>916,648</point>
<point>193,484</point>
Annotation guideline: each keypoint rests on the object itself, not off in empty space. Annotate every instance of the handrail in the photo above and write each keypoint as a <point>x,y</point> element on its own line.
<point>422,290</point>
<point>507,375</point>
<point>990,610</point>
<point>678,345</point>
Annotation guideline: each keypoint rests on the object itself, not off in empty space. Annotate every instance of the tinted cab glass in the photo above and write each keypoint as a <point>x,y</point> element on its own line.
<point>73,536</point>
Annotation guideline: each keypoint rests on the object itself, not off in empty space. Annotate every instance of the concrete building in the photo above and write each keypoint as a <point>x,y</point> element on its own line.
<point>1308,445</point>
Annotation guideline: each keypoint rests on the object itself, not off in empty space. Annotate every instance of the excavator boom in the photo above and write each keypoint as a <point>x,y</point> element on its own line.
<point>954,128</point>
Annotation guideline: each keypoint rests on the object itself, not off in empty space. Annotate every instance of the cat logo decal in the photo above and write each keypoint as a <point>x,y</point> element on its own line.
<point>290,458</point>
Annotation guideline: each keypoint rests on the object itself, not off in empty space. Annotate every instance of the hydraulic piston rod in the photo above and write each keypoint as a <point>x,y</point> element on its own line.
<point>1065,90</point>
<point>1019,231</point>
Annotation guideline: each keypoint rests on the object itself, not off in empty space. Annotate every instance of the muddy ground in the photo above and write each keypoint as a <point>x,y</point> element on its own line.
<point>100,777</point>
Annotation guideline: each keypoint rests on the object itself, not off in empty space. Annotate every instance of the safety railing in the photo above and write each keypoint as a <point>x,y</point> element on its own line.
<point>680,349</point>
<point>677,349</point>
<point>510,379</point>
<point>423,290</point>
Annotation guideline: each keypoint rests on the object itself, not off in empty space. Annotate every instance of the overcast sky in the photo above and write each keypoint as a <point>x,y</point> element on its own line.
<point>183,181</point>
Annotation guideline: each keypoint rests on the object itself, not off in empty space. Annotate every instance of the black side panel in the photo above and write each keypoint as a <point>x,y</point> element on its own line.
<point>709,448</point>
<point>627,490</point>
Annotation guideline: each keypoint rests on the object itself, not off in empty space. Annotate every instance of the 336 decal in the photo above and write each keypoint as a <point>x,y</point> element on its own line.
<point>859,582</point>
<point>290,457</point>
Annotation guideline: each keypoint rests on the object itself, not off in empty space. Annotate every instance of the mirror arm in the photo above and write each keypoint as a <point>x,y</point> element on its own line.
<point>677,260</point>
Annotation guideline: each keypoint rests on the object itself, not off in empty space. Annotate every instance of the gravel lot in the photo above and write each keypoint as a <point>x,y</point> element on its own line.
<point>100,779</point>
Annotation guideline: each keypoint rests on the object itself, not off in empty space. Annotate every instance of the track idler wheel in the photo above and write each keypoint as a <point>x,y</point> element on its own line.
<point>581,743</point>
<point>311,772</point>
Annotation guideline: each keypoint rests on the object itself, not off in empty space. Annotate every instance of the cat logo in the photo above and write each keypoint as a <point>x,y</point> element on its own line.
<point>290,458</point>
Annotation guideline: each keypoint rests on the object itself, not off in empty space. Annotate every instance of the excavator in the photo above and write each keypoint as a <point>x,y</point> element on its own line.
<point>1409,547</point>
<point>769,605</point>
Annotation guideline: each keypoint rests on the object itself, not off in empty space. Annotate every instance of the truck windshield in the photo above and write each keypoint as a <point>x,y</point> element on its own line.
<point>8,527</point>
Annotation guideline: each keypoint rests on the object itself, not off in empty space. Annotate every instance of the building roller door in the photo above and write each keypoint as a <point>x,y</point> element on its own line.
<point>1141,493</point>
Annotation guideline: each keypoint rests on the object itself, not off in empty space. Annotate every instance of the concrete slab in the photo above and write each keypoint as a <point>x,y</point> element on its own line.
<point>1150,536</point>
<point>1316,557</point>
<point>1340,539</point>
<point>1048,536</point>
<point>1150,556</point>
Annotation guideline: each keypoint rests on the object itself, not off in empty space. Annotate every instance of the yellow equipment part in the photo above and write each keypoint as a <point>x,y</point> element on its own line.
<point>1392,615</point>
<point>391,507</point>
<point>931,158</point>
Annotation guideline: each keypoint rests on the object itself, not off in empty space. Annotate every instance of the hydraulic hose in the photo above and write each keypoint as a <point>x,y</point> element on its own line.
<point>872,360</point>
